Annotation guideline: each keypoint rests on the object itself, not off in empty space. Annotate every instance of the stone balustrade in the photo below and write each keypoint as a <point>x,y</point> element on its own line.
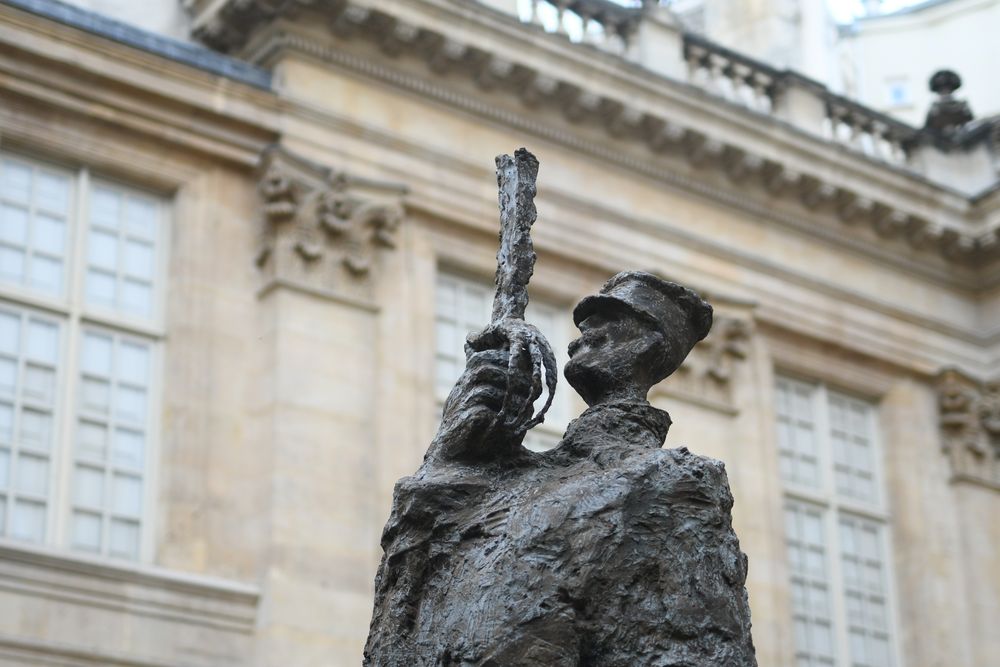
<point>721,71</point>
<point>738,78</point>
<point>607,25</point>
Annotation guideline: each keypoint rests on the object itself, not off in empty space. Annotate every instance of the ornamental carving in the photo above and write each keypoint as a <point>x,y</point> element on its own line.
<point>233,23</point>
<point>322,227</point>
<point>707,375</point>
<point>970,425</point>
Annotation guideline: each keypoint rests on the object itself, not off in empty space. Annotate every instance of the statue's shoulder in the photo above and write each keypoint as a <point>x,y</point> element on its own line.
<point>679,474</point>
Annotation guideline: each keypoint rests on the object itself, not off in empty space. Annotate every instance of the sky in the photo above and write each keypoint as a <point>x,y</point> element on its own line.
<point>843,10</point>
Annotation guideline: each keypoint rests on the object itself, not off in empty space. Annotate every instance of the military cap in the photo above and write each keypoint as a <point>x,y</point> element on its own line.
<point>659,302</point>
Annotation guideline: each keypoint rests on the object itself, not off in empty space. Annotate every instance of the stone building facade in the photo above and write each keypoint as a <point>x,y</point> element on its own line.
<point>236,270</point>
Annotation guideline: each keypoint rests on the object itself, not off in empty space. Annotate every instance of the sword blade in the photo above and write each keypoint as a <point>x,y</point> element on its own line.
<point>516,255</point>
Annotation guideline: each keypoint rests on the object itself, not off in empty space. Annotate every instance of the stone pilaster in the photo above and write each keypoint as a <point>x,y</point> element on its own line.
<point>324,236</point>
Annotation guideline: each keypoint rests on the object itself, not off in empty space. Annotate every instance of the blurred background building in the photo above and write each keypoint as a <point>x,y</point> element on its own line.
<point>241,242</point>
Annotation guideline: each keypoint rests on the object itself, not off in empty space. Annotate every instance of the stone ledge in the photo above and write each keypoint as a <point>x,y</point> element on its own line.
<point>19,652</point>
<point>119,613</point>
<point>189,54</point>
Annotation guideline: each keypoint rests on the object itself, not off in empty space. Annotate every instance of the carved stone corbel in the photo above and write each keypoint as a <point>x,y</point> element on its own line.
<point>708,373</point>
<point>323,228</point>
<point>969,412</point>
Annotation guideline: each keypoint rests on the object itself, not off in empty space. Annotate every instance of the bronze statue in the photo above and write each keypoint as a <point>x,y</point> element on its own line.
<point>606,551</point>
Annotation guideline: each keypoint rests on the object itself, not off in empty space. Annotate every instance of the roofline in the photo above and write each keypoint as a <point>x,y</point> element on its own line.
<point>194,55</point>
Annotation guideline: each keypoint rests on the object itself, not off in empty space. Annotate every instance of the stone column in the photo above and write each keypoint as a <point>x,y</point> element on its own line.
<point>926,538</point>
<point>323,234</point>
<point>969,452</point>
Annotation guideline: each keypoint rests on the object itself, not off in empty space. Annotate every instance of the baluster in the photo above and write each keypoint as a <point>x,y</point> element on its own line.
<point>741,76</point>
<point>717,65</point>
<point>761,83</point>
<point>697,72</point>
<point>536,16</point>
<point>561,17</point>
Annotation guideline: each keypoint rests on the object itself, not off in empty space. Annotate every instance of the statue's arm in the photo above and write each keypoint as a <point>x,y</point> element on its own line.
<point>476,422</point>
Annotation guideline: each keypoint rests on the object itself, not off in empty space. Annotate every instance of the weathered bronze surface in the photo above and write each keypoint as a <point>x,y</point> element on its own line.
<point>605,551</point>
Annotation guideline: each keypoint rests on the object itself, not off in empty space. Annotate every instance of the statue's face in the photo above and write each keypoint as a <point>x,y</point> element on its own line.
<point>604,359</point>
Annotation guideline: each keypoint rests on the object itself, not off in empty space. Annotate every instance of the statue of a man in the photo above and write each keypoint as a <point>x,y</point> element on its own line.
<point>606,551</point>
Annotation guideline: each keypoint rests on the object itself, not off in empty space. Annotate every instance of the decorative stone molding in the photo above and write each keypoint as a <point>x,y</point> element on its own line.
<point>231,26</point>
<point>970,426</point>
<point>707,375</point>
<point>321,227</point>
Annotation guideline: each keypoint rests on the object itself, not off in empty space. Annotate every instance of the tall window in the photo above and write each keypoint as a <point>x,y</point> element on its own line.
<point>835,527</point>
<point>79,320</point>
<point>464,306</point>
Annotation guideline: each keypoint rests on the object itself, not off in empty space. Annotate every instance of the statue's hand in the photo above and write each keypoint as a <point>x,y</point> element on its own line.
<point>490,407</point>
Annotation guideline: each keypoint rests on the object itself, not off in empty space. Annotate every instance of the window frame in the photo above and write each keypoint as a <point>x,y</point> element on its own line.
<point>75,315</point>
<point>832,506</point>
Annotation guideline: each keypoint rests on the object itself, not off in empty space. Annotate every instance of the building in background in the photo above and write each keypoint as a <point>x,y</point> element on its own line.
<point>882,59</point>
<point>241,245</point>
<point>935,34</point>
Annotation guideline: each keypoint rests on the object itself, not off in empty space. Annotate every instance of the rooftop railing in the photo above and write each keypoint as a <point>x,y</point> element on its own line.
<point>733,76</point>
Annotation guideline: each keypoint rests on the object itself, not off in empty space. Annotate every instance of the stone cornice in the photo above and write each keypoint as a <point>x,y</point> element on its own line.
<point>64,67</point>
<point>719,187</point>
<point>904,215</point>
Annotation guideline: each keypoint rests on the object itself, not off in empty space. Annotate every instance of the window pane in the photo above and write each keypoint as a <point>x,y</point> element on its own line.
<point>100,288</point>
<point>96,396</point>
<point>32,225</point>
<point>124,538</point>
<point>36,429</point>
<point>126,495</point>
<point>50,235</point>
<point>42,341</point>
<point>130,404</point>
<point>4,468</point>
<point>96,355</point>
<point>31,476</point>
<point>811,608</point>
<point>89,486</point>
<point>10,333</point>
<point>28,521</point>
<point>103,250</point>
<point>91,440</point>
<point>14,225</point>
<point>128,448</point>
<point>122,250</point>
<point>53,191</point>
<point>39,383</point>
<point>111,436</point>
<point>15,181</point>
<point>864,591</point>
<point>46,274</point>
<point>851,439</point>
<point>137,297</point>
<point>140,216</point>
<point>11,264</point>
<point>105,207</point>
<point>798,448</point>
<point>8,377</point>
<point>139,259</point>
<point>86,531</point>
<point>133,363</point>
<point>6,422</point>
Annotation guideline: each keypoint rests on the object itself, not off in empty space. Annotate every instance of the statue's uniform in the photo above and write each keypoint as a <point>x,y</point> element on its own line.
<point>607,551</point>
